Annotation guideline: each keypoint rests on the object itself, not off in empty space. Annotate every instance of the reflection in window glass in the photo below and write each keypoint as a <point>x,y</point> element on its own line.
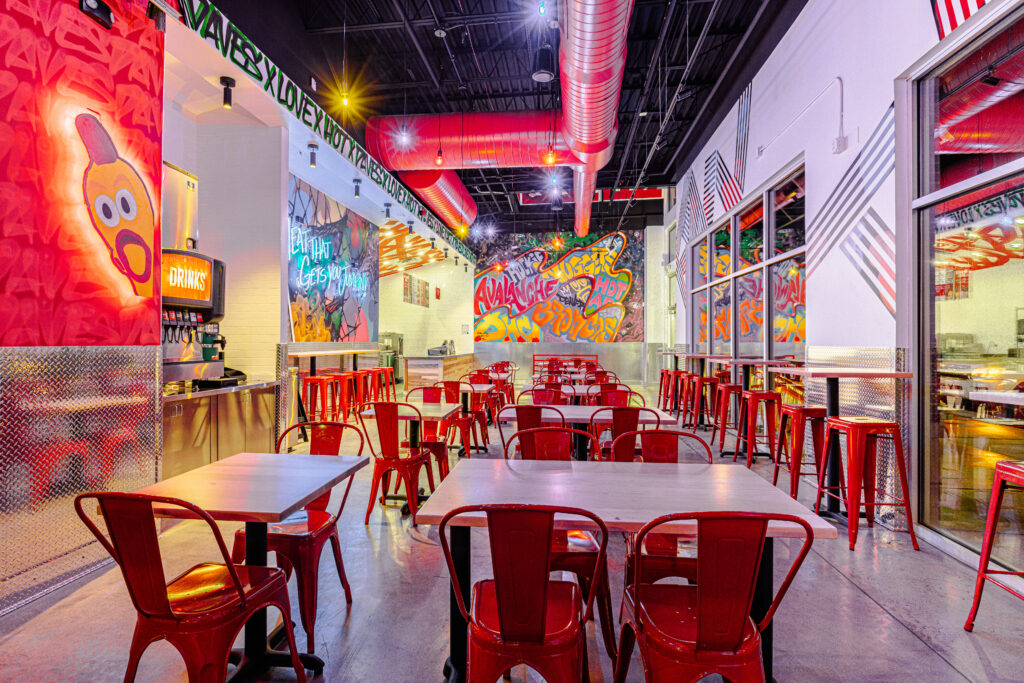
<point>977,303</point>
<point>700,320</point>
<point>788,200</point>
<point>789,321</point>
<point>723,255</point>
<point>750,315</point>
<point>751,236</point>
<point>972,111</point>
<point>699,259</point>
<point>721,324</point>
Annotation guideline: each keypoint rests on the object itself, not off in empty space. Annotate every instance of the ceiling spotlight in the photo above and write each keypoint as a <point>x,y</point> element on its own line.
<point>556,201</point>
<point>642,113</point>
<point>387,210</point>
<point>312,147</point>
<point>440,32</point>
<point>228,84</point>
<point>404,139</point>
<point>544,64</point>
<point>439,159</point>
<point>541,8</point>
<point>490,231</point>
<point>465,269</point>
<point>344,98</point>
<point>446,252</point>
<point>433,243</point>
<point>411,221</point>
<point>456,260</point>
<point>554,180</point>
<point>355,184</point>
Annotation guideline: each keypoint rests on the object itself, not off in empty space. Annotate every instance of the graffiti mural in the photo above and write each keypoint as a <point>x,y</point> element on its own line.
<point>554,287</point>
<point>332,268</point>
<point>79,175</point>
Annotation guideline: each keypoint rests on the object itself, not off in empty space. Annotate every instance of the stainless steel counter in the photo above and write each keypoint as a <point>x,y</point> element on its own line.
<point>248,386</point>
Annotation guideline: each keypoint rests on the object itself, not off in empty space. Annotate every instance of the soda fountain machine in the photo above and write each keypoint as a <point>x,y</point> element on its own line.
<point>193,304</point>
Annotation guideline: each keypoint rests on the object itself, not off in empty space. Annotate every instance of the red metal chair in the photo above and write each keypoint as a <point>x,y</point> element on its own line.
<point>201,610</point>
<point>544,397</point>
<point>746,430</point>
<point>790,452</point>
<point>686,632</point>
<point>506,388</point>
<point>1008,474</point>
<point>548,443</point>
<point>466,424</point>
<point>521,615</point>
<point>299,540</point>
<point>404,462</point>
<point>433,433</point>
<point>616,398</point>
<point>624,419</point>
<point>862,434</point>
<point>531,417</point>
<point>656,445</point>
<point>701,395</point>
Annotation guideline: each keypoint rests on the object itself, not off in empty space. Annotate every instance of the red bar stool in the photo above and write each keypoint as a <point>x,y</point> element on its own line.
<point>724,400</point>
<point>679,391</point>
<point>314,387</point>
<point>796,418</point>
<point>663,389</point>
<point>701,387</point>
<point>363,389</point>
<point>344,388</point>
<point>1009,473</point>
<point>388,378</point>
<point>750,403</point>
<point>862,435</point>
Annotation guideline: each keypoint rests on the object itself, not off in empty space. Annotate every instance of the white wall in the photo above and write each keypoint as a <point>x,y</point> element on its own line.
<point>443,319</point>
<point>242,205</point>
<point>795,114</point>
<point>990,310</point>
<point>655,301</point>
<point>179,138</point>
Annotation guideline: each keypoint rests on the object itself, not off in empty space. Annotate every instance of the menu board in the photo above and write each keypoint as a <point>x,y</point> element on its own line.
<point>415,291</point>
<point>333,284</point>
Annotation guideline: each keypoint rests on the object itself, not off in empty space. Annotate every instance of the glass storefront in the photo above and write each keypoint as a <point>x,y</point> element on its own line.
<point>972,250</point>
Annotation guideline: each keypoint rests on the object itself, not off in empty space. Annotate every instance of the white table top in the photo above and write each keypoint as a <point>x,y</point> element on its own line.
<point>432,411</point>
<point>585,390</point>
<point>501,375</point>
<point>626,495</point>
<point>748,361</point>
<point>1014,398</point>
<point>481,388</point>
<point>866,373</point>
<point>256,487</point>
<point>580,414</point>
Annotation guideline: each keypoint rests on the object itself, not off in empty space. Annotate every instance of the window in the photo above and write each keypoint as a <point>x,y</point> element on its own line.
<point>751,239</point>
<point>751,272</point>
<point>670,243</point>
<point>723,254</point>
<point>750,316</point>
<point>788,205</point>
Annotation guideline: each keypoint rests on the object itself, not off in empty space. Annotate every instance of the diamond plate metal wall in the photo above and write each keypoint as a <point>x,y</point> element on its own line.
<point>883,398</point>
<point>71,419</point>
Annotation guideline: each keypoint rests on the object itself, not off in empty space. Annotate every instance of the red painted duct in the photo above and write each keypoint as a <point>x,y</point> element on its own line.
<point>592,57</point>
<point>473,140</point>
<point>995,130</point>
<point>444,193</point>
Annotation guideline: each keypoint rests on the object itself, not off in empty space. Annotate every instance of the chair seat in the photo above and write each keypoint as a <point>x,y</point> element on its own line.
<point>301,523</point>
<point>565,605</point>
<point>805,411</point>
<point>208,586</point>
<point>863,421</point>
<point>672,610</point>
<point>565,541</point>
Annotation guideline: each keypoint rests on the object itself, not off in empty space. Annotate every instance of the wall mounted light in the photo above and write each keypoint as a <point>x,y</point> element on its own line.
<point>456,260</point>
<point>433,243</point>
<point>312,147</point>
<point>355,187</point>
<point>228,84</point>
<point>446,253</point>
<point>465,269</point>
<point>387,209</point>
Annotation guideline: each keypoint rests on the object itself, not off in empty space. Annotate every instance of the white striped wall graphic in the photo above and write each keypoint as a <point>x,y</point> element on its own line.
<point>739,170</point>
<point>871,248</point>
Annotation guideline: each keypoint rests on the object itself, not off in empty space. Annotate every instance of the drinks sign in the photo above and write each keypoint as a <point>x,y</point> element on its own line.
<point>187,277</point>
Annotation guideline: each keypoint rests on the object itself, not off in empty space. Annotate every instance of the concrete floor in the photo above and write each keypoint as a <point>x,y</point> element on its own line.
<point>882,613</point>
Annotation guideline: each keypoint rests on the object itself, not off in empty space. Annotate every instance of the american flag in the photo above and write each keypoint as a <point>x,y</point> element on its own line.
<point>951,13</point>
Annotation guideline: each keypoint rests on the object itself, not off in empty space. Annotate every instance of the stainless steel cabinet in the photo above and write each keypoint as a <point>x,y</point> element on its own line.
<point>188,436</point>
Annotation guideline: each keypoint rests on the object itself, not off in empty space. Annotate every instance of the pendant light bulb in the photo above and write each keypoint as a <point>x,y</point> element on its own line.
<point>439,159</point>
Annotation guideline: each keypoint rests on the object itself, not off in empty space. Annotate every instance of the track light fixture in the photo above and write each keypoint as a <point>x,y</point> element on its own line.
<point>355,186</point>
<point>228,84</point>
<point>387,209</point>
<point>312,148</point>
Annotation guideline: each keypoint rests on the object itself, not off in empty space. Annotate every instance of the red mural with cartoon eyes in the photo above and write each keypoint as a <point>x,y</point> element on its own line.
<point>80,167</point>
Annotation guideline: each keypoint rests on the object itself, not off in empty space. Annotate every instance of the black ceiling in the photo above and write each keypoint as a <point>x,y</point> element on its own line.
<point>394,63</point>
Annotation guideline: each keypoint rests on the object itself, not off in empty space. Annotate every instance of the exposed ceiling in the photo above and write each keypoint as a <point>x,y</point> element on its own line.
<point>686,58</point>
<point>400,251</point>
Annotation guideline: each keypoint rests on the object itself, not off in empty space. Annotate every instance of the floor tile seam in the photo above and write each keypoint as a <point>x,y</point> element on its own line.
<point>849,579</point>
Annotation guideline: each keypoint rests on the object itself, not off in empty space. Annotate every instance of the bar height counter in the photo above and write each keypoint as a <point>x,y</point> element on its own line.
<point>423,371</point>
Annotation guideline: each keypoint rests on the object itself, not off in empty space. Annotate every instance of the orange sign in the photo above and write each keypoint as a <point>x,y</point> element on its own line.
<point>187,277</point>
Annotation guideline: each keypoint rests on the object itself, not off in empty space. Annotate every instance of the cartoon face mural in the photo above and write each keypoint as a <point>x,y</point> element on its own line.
<point>119,206</point>
<point>586,289</point>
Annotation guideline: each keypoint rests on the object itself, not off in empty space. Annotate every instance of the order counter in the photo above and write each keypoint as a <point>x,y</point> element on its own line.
<point>421,371</point>
<point>201,427</point>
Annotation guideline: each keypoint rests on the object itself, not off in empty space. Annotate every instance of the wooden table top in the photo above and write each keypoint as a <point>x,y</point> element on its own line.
<point>626,495</point>
<point>256,487</point>
<point>865,373</point>
<point>749,361</point>
<point>578,414</point>
<point>432,411</point>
